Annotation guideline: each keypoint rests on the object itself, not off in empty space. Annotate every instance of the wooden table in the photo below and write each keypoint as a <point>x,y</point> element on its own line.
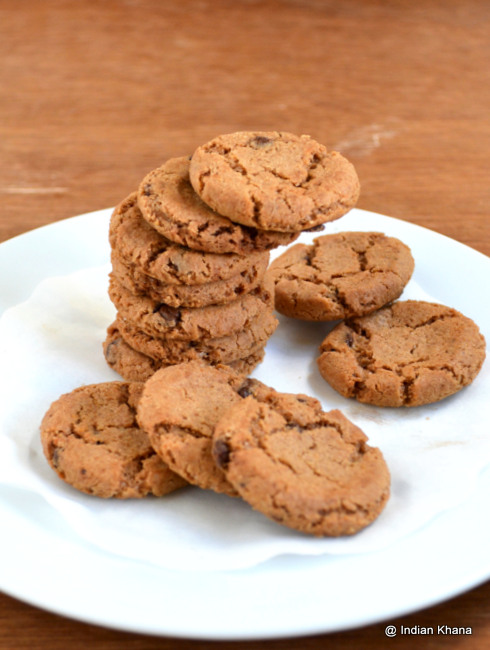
<point>95,94</point>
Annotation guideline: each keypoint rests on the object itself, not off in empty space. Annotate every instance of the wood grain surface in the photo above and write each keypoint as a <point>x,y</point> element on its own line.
<point>95,94</point>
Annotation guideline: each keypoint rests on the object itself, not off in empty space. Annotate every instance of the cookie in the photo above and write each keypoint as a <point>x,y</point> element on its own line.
<point>341,275</point>
<point>91,439</point>
<point>123,359</point>
<point>170,205</point>
<point>274,180</point>
<point>406,354</point>
<point>136,366</point>
<point>136,242</point>
<point>223,349</point>
<point>186,323</point>
<point>179,409</point>
<point>302,467</point>
<point>189,295</point>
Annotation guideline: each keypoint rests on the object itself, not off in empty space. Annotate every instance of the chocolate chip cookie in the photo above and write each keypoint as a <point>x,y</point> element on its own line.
<point>304,468</point>
<point>91,439</point>
<point>274,180</point>
<point>223,349</point>
<point>179,409</point>
<point>136,242</point>
<point>136,366</point>
<point>157,319</point>
<point>406,354</point>
<point>171,206</point>
<point>341,275</point>
<point>189,295</point>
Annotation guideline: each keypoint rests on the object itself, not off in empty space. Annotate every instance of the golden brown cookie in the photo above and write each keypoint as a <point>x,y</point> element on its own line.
<point>123,359</point>
<point>189,295</point>
<point>304,468</point>
<point>406,354</point>
<point>186,323</point>
<point>223,349</point>
<point>171,206</point>
<point>341,275</point>
<point>91,439</point>
<point>136,242</point>
<point>136,366</point>
<point>274,180</point>
<point>179,409</point>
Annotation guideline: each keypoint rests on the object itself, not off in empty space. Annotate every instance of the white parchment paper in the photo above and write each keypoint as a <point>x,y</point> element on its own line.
<point>52,343</point>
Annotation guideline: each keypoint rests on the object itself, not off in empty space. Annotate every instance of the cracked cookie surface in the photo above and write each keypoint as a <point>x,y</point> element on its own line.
<point>179,409</point>
<point>409,353</point>
<point>137,243</point>
<point>274,180</point>
<point>91,439</point>
<point>340,275</point>
<point>304,468</point>
<point>171,206</point>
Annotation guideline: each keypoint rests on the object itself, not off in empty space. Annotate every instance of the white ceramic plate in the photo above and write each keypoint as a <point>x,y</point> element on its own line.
<point>46,562</point>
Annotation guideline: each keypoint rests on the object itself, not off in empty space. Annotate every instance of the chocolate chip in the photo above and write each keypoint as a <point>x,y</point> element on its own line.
<point>318,228</point>
<point>222,453</point>
<point>170,315</point>
<point>349,339</point>
<point>55,455</point>
<point>259,141</point>
<point>111,352</point>
<point>245,389</point>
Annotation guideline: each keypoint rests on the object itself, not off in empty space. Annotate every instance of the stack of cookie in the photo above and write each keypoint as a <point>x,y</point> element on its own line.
<point>176,304</point>
<point>190,248</point>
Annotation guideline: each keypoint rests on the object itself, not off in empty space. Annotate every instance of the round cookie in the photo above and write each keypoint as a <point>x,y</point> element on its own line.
<point>123,359</point>
<point>409,353</point>
<point>136,242</point>
<point>179,409</point>
<point>189,295</point>
<point>274,180</point>
<point>136,366</point>
<point>91,439</point>
<point>185,323</point>
<point>341,275</point>
<point>306,469</point>
<point>171,206</point>
<point>223,349</point>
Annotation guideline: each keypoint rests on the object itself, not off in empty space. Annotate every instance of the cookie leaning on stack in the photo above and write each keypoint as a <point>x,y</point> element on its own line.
<point>190,248</point>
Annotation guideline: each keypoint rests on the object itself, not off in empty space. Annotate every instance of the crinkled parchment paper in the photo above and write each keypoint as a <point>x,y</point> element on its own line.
<point>52,343</point>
